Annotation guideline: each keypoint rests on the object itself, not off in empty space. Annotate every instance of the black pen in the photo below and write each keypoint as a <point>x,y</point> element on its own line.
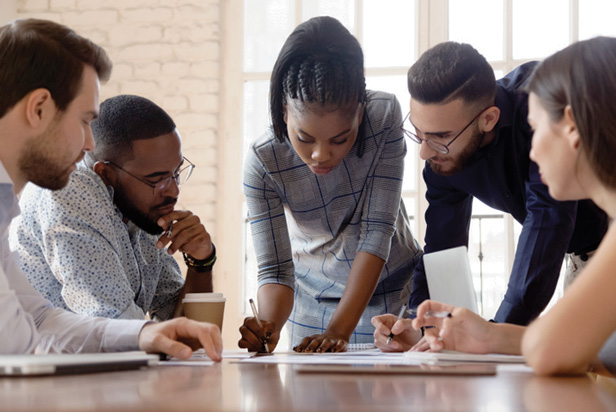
<point>430,313</point>
<point>400,316</point>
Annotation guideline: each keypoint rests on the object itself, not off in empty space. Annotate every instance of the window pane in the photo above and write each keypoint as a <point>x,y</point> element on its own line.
<point>410,166</point>
<point>256,118</point>
<point>597,18</point>
<point>267,23</point>
<point>533,36</point>
<point>343,10</point>
<point>389,33</point>
<point>464,26</point>
<point>487,257</point>
<point>409,204</point>
<point>487,252</point>
<point>397,85</point>
<point>480,208</point>
<point>392,84</point>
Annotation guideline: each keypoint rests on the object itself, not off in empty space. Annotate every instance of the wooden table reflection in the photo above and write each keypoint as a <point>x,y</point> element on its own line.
<point>231,386</point>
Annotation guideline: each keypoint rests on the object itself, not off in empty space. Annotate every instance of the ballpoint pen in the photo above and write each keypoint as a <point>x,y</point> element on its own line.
<point>256,315</point>
<point>430,313</point>
<point>400,316</point>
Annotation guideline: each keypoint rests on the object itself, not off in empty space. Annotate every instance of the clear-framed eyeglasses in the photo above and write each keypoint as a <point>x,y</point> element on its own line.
<point>180,176</point>
<point>438,146</point>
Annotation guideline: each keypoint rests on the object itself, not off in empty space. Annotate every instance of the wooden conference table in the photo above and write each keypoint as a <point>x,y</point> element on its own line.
<point>231,386</point>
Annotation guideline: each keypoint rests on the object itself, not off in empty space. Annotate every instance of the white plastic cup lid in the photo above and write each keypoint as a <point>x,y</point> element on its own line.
<point>204,297</point>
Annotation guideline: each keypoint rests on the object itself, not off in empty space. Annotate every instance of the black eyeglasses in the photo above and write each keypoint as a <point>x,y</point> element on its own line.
<point>180,177</point>
<point>439,147</point>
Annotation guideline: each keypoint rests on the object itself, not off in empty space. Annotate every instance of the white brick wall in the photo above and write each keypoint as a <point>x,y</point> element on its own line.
<point>169,52</point>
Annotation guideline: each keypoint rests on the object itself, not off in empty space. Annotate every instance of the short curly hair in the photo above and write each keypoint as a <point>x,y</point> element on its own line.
<point>124,119</point>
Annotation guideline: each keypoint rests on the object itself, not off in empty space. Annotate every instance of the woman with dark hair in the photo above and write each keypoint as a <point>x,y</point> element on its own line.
<point>323,189</point>
<point>572,110</point>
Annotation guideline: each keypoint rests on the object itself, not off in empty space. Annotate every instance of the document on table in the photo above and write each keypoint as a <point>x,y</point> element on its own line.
<point>369,362</point>
<point>453,356</point>
<point>367,357</point>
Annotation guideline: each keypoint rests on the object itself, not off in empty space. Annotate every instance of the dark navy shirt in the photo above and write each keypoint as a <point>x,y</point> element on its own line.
<point>502,176</point>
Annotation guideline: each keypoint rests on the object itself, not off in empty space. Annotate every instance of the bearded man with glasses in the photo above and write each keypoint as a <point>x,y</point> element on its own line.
<point>103,245</point>
<point>476,140</point>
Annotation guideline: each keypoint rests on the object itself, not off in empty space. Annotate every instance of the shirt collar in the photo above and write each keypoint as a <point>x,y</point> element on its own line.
<point>9,207</point>
<point>4,175</point>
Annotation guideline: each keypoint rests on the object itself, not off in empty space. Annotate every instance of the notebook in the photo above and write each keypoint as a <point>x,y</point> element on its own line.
<point>63,364</point>
<point>454,356</point>
<point>359,347</point>
<point>449,277</point>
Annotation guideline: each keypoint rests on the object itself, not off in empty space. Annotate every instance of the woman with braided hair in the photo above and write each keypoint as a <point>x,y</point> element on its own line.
<point>323,189</point>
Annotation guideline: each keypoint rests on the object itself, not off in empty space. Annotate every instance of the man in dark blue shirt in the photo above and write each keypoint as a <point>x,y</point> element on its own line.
<point>451,86</point>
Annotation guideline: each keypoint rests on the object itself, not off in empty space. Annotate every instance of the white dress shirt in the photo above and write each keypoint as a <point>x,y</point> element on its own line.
<point>28,322</point>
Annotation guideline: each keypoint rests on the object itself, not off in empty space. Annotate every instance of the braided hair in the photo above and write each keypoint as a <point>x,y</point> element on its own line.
<point>320,63</point>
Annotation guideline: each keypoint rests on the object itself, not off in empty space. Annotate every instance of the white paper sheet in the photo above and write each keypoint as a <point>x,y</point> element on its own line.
<point>372,357</point>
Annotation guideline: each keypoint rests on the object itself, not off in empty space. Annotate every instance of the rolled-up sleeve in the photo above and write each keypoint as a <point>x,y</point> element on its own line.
<point>268,225</point>
<point>384,189</point>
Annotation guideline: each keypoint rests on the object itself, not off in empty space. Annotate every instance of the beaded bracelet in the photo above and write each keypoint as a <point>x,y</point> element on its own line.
<point>201,266</point>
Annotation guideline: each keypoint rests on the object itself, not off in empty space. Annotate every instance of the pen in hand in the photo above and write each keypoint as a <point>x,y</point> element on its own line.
<point>430,313</point>
<point>256,315</point>
<point>400,316</point>
<point>169,230</point>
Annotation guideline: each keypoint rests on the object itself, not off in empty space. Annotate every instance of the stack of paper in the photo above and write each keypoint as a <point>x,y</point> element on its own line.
<point>453,356</point>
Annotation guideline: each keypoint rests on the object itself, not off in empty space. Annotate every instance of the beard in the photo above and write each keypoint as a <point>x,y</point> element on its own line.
<point>140,219</point>
<point>456,164</point>
<point>43,164</point>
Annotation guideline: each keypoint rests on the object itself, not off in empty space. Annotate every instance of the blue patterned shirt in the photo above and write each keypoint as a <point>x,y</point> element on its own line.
<point>78,253</point>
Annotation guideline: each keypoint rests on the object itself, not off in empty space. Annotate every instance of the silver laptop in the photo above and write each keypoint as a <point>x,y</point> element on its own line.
<point>63,364</point>
<point>449,277</point>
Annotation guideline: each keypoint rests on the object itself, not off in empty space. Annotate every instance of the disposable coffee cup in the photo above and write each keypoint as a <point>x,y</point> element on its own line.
<point>205,307</point>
